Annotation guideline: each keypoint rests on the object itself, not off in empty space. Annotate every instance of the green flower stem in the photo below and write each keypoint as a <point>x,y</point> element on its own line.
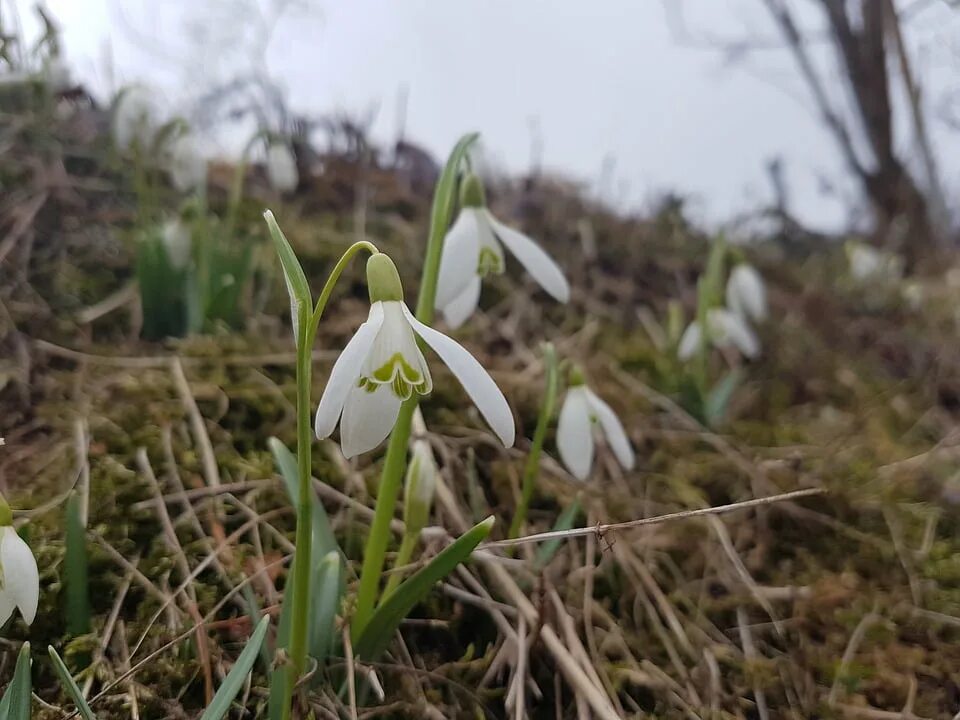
<point>396,459</point>
<point>532,469</point>
<point>236,184</point>
<point>306,333</point>
<point>407,546</point>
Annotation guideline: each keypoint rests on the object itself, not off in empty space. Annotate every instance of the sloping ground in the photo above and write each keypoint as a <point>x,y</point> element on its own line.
<point>844,604</point>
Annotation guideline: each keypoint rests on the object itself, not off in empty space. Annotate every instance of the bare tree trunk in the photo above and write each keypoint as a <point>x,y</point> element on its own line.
<point>901,210</point>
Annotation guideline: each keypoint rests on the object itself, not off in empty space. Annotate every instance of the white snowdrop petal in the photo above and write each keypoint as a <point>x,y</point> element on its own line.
<point>458,311</point>
<point>368,417</point>
<point>534,259</point>
<point>574,433</point>
<point>612,430</point>
<point>21,579</point>
<point>735,331</point>
<point>7,606</point>
<point>346,373</point>
<point>282,168</point>
<point>746,293</point>
<point>458,262</point>
<point>689,341</point>
<point>475,381</point>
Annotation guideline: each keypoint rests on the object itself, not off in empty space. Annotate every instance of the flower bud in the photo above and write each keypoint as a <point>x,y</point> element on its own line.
<point>472,193</point>
<point>420,485</point>
<point>282,168</point>
<point>383,280</point>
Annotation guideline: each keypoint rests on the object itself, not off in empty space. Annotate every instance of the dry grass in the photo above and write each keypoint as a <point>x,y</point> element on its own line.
<point>842,604</point>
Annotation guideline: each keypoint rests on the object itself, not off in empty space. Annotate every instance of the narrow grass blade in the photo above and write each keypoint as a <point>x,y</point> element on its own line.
<point>220,706</point>
<point>253,610</point>
<point>329,584</point>
<point>280,675</point>
<point>387,617</point>
<point>73,690</point>
<point>15,704</point>
<point>323,539</point>
<point>75,566</point>
<point>301,301</point>
<point>548,549</point>
<point>718,400</point>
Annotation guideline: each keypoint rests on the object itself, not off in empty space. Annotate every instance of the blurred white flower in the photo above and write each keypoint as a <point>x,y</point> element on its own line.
<point>19,577</point>
<point>135,117</point>
<point>282,168</point>
<point>420,485</point>
<point>382,366</point>
<point>473,248</point>
<point>186,164</point>
<point>746,293</point>
<point>869,263</point>
<point>583,411</point>
<point>177,242</point>
<point>725,329</point>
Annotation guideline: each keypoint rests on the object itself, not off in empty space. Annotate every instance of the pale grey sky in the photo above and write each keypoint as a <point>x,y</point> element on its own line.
<point>598,78</point>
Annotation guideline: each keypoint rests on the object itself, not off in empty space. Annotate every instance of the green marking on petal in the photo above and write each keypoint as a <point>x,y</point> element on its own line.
<point>489,262</point>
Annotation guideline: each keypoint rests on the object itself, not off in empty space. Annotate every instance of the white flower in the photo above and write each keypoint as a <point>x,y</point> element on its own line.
<point>473,248</point>
<point>726,329</point>
<point>19,578</point>
<point>282,168</point>
<point>582,410</point>
<point>746,293</point>
<point>186,164</point>
<point>135,117</point>
<point>868,263</point>
<point>382,366</point>
<point>177,242</point>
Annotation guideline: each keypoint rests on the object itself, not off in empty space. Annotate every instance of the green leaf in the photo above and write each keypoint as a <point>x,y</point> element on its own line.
<point>220,706</point>
<point>280,675</point>
<point>323,538</point>
<point>253,612</point>
<point>16,701</point>
<point>548,549</point>
<point>444,199</point>
<point>75,565</point>
<point>73,690</point>
<point>329,593</point>
<point>301,301</point>
<point>385,620</point>
<point>720,395</point>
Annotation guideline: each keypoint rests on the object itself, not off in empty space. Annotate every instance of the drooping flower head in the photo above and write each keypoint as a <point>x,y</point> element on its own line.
<point>186,163</point>
<point>382,366</point>
<point>177,241</point>
<point>746,293</point>
<point>19,577</point>
<point>582,413</point>
<point>724,329</point>
<point>282,167</point>
<point>135,117</point>
<point>473,249</point>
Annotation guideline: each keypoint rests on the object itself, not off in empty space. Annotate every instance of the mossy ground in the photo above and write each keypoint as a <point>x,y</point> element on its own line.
<point>846,604</point>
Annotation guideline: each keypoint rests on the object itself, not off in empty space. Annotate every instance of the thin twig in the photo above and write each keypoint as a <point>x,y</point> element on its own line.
<point>601,529</point>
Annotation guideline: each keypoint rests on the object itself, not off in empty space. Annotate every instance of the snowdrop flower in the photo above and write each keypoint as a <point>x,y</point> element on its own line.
<point>474,248</point>
<point>419,487</point>
<point>135,117</point>
<point>382,366</point>
<point>725,329</point>
<point>186,164</point>
<point>177,242</point>
<point>19,577</point>
<point>282,168</point>
<point>582,412</point>
<point>868,263</point>
<point>746,293</point>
